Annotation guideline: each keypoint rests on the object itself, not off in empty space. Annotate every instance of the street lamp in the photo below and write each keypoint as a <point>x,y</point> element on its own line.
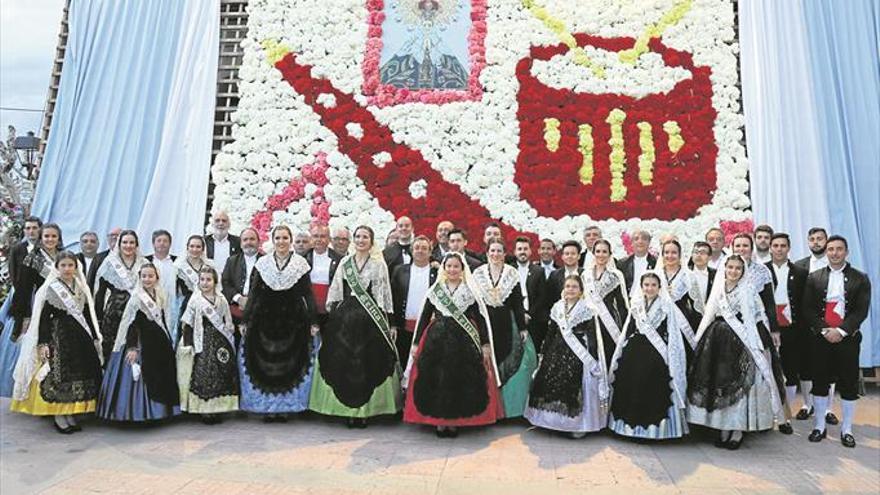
<point>26,148</point>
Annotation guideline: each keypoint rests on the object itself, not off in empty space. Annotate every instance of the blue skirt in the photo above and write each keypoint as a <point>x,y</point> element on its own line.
<point>9,350</point>
<point>293,401</point>
<point>123,399</point>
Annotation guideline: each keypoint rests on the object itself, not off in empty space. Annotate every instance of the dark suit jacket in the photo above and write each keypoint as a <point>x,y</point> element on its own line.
<point>393,255</point>
<point>797,280</point>
<point>555,266</point>
<point>16,258</point>
<point>234,245</point>
<point>535,284</point>
<point>93,270</point>
<point>82,262</point>
<point>856,292</point>
<point>234,275</point>
<point>436,254</point>
<point>627,267</point>
<point>150,257</point>
<point>335,258</point>
<point>400,289</point>
<point>553,287</point>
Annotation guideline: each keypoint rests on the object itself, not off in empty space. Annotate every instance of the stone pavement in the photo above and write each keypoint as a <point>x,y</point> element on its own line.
<point>312,454</point>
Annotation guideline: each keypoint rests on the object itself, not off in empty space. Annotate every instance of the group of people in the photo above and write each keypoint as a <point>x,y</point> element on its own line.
<point>643,345</point>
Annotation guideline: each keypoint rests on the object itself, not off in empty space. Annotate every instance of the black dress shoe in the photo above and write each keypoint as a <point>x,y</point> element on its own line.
<point>831,419</point>
<point>734,444</point>
<point>351,423</point>
<point>63,430</point>
<point>361,423</point>
<point>817,436</point>
<point>269,419</point>
<point>847,440</point>
<point>440,433</point>
<point>786,429</point>
<point>453,432</point>
<point>804,413</point>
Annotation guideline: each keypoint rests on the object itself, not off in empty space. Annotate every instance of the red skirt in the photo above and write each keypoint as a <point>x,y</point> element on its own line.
<point>493,411</point>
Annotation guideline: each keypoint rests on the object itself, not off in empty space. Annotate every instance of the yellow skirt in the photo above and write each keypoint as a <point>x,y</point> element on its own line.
<point>36,406</point>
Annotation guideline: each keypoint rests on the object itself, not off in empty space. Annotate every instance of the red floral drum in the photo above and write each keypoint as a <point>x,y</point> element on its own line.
<point>668,144</point>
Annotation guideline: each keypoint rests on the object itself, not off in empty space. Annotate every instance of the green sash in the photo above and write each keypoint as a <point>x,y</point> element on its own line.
<point>369,304</point>
<point>445,299</point>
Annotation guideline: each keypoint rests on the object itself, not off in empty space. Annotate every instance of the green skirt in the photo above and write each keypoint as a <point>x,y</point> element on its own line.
<point>515,393</point>
<point>386,398</point>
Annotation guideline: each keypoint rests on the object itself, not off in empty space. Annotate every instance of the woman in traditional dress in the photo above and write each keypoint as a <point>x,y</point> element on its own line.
<point>207,370</point>
<point>279,340</point>
<point>59,369</point>
<point>649,369</point>
<point>358,375</point>
<point>500,289</point>
<point>188,269</point>
<point>451,374</point>
<point>140,382</point>
<point>682,287</point>
<point>604,286</point>
<point>35,267</point>
<point>732,386</point>
<point>570,389</point>
<point>117,277</point>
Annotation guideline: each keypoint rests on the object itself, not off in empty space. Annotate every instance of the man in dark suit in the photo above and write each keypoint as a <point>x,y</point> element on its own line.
<point>836,302</point>
<point>547,257</point>
<point>788,290</point>
<point>571,251</point>
<point>441,246</point>
<point>458,243</point>
<point>32,226</point>
<point>88,252</point>
<point>400,251</point>
<point>112,238</point>
<point>591,234</point>
<point>324,262</point>
<point>409,287</point>
<point>699,265</point>
<point>237,273</point>
<point>531,283</point>
<point>219,246</point>
<point>634,265</point>
<point>816,239</point>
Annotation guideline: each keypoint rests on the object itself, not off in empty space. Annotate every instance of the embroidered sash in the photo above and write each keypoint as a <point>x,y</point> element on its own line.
<point>350,272</point>
<point>444,298</point>
<point>70,304</point>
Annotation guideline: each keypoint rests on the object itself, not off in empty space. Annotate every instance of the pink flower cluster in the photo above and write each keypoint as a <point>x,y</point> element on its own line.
<point>316,174</point>
<point>732,228</point>
<point>384,94</point>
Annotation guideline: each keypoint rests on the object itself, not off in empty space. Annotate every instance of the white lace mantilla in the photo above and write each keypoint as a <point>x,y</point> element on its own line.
<point>493,294</point>
<point>579,314</point>
<point>681,283</point>
<point>610,280</point>
<point>153,310</point>
<point>462,297</point>
<point>187,273</point>
<point>41,261</point>
<point>373,275</point>
<point>114,271</point>
<point>758,275</point>
<point>285,278</point>
<point>217,313</point>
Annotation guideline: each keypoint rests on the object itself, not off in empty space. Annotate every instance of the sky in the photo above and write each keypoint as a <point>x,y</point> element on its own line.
<point>28,38</point>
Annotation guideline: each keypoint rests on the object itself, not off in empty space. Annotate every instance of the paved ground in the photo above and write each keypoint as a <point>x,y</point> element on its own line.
<point>318,455</point>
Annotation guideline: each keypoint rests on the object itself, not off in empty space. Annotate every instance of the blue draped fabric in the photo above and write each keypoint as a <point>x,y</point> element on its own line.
<point>125,102</point>
<point>811,94</point>
<point>844,47</point>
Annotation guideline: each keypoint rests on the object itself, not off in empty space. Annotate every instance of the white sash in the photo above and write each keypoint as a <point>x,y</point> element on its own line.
<point>71,305</point>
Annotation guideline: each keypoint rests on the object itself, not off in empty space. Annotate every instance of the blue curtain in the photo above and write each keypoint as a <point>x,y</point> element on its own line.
<point>124,104</point>
<point>811,94</point>
<point>844,48</point>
